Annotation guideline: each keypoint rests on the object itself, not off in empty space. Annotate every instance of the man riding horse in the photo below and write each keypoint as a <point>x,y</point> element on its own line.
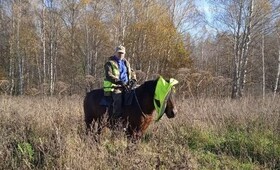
<point>136,112</point>
<point>118,74</point>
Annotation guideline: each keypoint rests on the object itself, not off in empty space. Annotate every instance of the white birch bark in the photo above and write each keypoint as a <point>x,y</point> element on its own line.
<point>241,49</point>
<point>38,65</point>
<point>122,22</point>
<point>52,30</point>
<point>236,73</point>
<point>263,68</point>
<point>245,49</point>
<point>95,56</point>
<point>19,56</point>
<point>148,69</point>
<point>12,59</point>
<point>51,68</point>
<point>278,69</point>
<point>44,46</point>
<point>88,64</point>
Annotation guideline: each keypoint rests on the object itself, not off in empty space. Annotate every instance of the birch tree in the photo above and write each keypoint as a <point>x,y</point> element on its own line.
<point>52,47</point>
<point>242,40</point>
<point>42,20</point>
<point>244,19</point>
<point>4,42</point>
<point>184,14</point>
<point>16,60</point>
<point>278,68</point>
<point>263,65</point>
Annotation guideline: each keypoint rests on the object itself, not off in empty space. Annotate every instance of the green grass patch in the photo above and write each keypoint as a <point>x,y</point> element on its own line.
<point>248,148</point>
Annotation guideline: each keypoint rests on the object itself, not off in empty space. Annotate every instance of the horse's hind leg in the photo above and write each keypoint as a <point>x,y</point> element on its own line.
<point>89,124</point>
<point>89,127</point>
<point>91,130</point>
<point>99,125</point>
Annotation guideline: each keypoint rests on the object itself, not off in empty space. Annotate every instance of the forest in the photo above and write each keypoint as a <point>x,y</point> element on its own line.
<point>60,47</point>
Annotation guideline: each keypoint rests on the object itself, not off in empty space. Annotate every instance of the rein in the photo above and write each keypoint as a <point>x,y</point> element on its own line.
<point>139,104</point>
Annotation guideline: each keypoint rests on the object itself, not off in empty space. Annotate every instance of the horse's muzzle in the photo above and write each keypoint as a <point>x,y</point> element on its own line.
<point>171,114</point>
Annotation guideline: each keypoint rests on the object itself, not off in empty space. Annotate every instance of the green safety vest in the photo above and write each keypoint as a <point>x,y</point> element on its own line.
<point>108,86</point>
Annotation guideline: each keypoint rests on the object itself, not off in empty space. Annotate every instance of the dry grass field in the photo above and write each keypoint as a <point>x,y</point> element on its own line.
<point>49,133</point>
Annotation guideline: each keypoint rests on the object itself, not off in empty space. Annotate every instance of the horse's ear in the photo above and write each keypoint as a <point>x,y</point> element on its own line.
<point>160,76</point>
<point>167,80</point>
<point>173,81</point>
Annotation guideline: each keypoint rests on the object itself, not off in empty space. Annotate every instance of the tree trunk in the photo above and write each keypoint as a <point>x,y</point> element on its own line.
<point>95,57</point>
<point>44,47</point>
<point>278,70</point>
<point>52,29</point>
<point>19,55</point>
<point>122,23</point>
<point>52,68</point>
<point>263,68</point>
<point>236,60</point>
<point>88,63</point>
<point>38,64</point>
<point>245,49</point>
<point>12,58</point>
<point>241,52</point>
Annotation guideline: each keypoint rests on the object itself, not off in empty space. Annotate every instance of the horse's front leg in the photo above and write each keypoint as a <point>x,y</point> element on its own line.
<point>134,133</point>
<point>138,135</point>
<point>125,124</point>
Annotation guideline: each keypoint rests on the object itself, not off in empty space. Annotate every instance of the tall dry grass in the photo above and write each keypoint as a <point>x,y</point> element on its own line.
<point>219,113</point>
<point>49,133</point>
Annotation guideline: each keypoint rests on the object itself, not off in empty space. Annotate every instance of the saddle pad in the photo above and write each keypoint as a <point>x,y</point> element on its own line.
<point>128,98</point>
<point>106,101</point>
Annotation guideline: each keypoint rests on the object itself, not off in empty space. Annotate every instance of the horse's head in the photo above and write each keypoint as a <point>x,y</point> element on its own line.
<point>160,95</point>
<point>170,109</point>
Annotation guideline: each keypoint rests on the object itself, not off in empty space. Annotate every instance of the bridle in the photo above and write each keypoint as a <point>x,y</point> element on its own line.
<point>137,101</point>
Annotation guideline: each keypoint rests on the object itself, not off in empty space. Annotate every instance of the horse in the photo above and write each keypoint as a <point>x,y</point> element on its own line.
<point>136,117</point>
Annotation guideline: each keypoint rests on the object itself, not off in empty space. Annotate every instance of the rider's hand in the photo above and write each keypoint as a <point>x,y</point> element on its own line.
<point>132,82</point>
<point>120,83</point>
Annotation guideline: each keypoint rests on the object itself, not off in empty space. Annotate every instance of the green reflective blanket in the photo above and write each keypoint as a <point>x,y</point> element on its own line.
<point>163,90</point>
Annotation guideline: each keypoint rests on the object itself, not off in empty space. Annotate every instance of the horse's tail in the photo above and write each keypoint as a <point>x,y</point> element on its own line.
<point>85,104</point>
<point>88,117</point>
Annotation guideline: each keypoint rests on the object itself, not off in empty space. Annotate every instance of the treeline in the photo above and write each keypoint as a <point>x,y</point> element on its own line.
<point>47,46</point>
<point>246,47</point>
<point>59,47</point>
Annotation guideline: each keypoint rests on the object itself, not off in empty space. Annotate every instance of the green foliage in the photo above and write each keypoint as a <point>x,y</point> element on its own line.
<point>111,148</point>
<point>259,146</point>
<point>208,160</point>
<point>181,59</point>
<point>26,151</point>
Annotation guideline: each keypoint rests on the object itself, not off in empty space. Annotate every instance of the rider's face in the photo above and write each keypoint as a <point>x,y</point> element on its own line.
<point>121,55</point>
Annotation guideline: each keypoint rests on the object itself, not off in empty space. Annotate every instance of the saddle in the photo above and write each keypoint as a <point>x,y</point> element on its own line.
<point>127,98</point>
<point>128,95</point>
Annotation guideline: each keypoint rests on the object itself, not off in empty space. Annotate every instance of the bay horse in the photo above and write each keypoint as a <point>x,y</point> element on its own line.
<point>138,115</point>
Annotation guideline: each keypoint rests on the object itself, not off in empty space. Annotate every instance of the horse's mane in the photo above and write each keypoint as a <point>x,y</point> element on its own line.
<point>149,86</point>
